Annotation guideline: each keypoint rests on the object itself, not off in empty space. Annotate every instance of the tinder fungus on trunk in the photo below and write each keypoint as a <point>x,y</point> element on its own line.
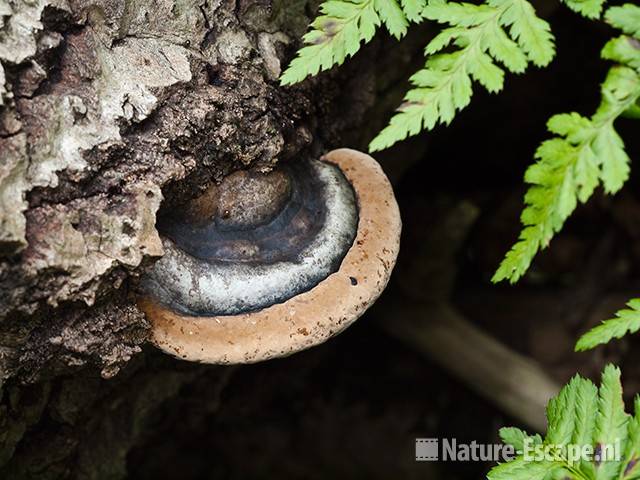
<point>262,266</point>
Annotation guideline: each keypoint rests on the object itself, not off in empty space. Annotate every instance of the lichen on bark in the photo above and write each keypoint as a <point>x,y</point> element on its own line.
<point>106,103</point>
<point>109,111</point>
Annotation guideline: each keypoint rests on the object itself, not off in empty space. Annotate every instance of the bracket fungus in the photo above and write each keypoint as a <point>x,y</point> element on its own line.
<point>265,265</point>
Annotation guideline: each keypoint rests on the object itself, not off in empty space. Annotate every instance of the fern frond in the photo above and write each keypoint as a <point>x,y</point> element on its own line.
<point>505,31</point>
<point>339,31</point>
<point>626,321</point>
<point>611,421</point>
<point>531,32</point>
<point>586,153</point>
<point>561,425</point>
<point>335,35</point>
<point>413,9</point>
<point>520,469</point>
<point>392,16</point>
<point>632,448</point>
<point>625,18</point>
<point>516,438</point>
<point>586,8</point>
<point>585,421</point>
<point>580,415</point>
<point>550,200</point>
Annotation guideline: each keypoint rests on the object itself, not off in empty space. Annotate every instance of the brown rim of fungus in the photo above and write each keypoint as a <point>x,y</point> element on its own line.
<point>310,317</point>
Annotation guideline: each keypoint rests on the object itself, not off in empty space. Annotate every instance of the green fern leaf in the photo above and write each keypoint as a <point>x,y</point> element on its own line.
<point>624,51</point>
<point>342,27</point>
<point>631,460</point>
<point>335,35</point>
<point>505,50</point>
<point>531,32</point>
<point>625,18</point>
<point>392,16</point>
<point>586,8</point>
<point>459,14</point>
<point>582,419</point>
<point>586,404</point>
<point>550,200</point>
<point>586,153</point>
<point>479,36</point>
<point>516,438</point>
<point>626,321</point>
<point>615,170</point>
<point>611,421</point>
<point>561,414</point>
<point>520,469</point>
<point>413,9</point>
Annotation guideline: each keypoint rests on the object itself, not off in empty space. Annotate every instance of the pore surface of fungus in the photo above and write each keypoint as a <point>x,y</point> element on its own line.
<point>262,266</point>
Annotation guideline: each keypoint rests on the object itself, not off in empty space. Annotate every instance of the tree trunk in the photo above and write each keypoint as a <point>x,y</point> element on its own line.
<point>109,111</point>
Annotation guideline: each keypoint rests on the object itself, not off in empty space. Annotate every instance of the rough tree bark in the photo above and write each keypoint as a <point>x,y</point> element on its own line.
<point>110,110</point>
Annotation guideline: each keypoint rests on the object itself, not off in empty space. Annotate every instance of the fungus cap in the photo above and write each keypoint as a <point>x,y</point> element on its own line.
<point>310,315</point>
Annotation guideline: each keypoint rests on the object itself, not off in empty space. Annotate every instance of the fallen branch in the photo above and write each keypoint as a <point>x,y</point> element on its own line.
<point>511,381</point>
